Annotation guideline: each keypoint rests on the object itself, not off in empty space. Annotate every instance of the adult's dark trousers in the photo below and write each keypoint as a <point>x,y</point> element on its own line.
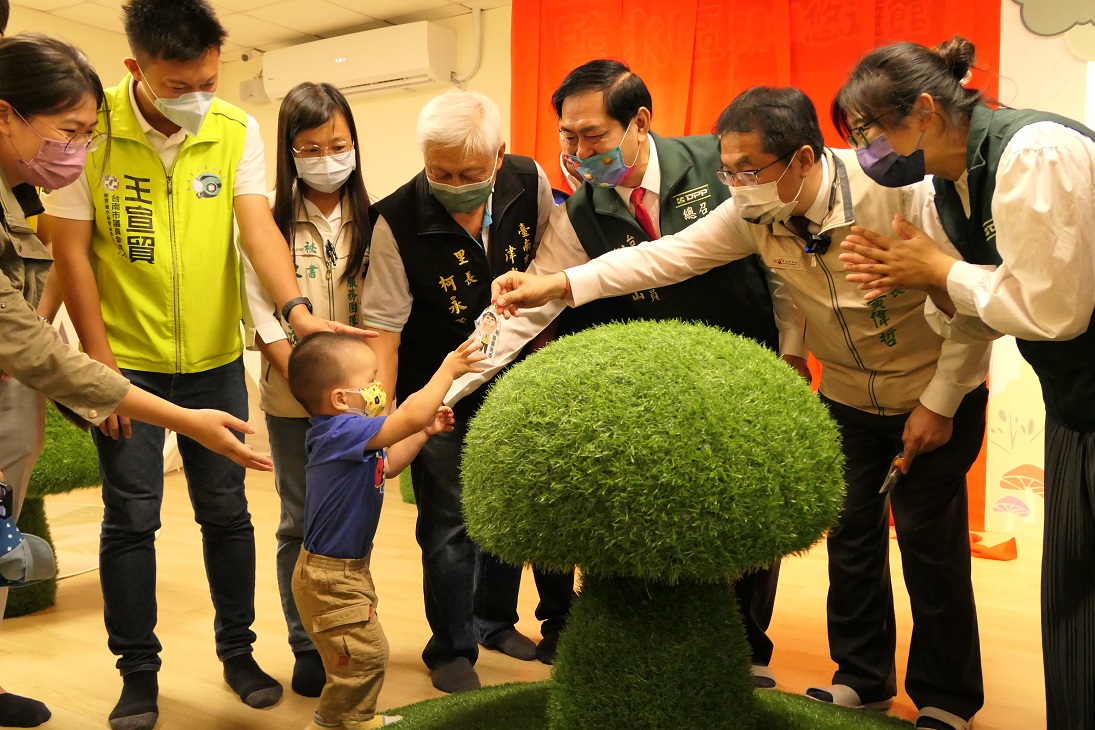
<point>1068,588</point>
<point>931,519</point>
<point>496,588</point>
<point>756,593</point>
<point>448,554</point>
<point>132,473</point>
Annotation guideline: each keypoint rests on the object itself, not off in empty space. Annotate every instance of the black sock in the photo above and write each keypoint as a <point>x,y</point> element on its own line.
<point>308,674</point>
<point>932,724</point>
<point>136,708</point>
<point>16,711</point>
<point>254,686</point>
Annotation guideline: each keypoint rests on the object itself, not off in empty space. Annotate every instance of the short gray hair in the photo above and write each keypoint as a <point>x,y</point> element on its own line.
<point>460,119</point>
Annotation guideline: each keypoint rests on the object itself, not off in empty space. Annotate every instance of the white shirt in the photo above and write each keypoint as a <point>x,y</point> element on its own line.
<point>1044,214</point>
<point>652,183</point>
<point>860,370</point>
<point>74,201</point>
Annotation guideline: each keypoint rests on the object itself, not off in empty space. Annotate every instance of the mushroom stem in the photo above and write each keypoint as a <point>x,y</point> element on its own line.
<point>652,655</point>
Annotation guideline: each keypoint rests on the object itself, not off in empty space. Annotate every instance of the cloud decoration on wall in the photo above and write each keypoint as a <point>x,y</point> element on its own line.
<point>1054,17</point>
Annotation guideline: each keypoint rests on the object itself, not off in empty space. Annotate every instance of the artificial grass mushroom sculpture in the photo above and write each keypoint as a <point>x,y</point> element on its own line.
<point>664,459</point>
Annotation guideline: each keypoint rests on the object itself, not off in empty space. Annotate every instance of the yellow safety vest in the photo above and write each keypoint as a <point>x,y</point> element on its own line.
<point>162,248</point>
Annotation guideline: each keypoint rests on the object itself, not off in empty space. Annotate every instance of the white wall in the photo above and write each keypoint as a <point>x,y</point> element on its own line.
<point>386,120</point>
<point>103,48</point>
<point>1038,73</point>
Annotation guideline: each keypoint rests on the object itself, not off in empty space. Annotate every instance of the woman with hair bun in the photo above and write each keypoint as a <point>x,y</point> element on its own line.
<point>1015,193</point>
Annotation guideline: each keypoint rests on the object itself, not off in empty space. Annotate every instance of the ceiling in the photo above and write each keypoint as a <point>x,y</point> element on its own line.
<point>266,24</point>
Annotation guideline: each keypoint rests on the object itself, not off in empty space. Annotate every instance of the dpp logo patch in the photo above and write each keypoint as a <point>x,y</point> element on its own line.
<point>110,183</point>
<point>206,185</point>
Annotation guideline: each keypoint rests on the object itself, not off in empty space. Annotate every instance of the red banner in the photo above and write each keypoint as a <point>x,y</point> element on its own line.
<point>697,55</point>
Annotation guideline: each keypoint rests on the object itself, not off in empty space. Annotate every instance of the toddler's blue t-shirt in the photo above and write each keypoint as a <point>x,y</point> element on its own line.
<point>345,486</point>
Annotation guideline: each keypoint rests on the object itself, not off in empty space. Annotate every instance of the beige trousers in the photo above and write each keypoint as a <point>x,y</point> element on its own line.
<point>337,605</point>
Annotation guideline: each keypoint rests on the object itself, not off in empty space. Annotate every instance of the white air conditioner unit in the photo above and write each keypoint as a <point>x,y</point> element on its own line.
<point>399,56</point>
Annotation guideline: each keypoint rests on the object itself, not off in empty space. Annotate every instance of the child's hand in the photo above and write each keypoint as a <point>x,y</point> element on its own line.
<point>465,358</point>
<point>442,421</point>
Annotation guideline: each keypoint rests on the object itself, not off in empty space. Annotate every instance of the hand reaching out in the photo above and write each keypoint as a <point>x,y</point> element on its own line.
<point>466,358</point>
<point>214,430</point>
<point>443,421</point>
<point>517,288</point>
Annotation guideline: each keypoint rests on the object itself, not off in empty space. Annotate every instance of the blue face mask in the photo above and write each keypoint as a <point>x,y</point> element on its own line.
<point>606,170</point>
<point>887,168</point>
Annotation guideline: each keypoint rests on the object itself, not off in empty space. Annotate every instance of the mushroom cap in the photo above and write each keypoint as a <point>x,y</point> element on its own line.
<point>654,450</point>
<point>1024,477</point>
<point>1012,504</point>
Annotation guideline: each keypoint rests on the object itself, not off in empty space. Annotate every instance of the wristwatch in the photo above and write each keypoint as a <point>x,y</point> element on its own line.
<point>292,303</point>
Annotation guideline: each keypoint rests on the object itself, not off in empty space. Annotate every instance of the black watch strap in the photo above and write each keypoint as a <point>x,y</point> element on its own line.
<point>292,303</point>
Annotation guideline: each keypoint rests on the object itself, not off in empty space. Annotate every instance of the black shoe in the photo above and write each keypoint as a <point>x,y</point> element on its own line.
<point>515,644</point>
<point>308,674</point>
<point>455,675</point>
<point>255,687</point>
<point>16,711</point>
<point>136,708</point>
<point>548,647</point>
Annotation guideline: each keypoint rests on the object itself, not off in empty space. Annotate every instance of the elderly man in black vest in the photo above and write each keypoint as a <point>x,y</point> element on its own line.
<point>637,186</point>
<point>471,214</point>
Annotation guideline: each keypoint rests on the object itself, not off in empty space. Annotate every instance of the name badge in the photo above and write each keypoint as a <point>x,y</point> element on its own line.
<point>793,263</point>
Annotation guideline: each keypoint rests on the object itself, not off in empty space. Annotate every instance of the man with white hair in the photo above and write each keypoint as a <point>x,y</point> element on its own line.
<point>470,215</point>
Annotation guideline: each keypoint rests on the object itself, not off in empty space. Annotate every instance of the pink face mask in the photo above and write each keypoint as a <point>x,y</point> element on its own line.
<point>56,165</point>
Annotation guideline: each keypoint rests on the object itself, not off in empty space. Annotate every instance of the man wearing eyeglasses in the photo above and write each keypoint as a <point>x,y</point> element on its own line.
<point>638,186</point>
<point>892,385</point>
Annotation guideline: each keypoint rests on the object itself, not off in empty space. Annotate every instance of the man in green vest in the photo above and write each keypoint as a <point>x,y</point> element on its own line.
<point>144,246</point>
<point>638,186</point>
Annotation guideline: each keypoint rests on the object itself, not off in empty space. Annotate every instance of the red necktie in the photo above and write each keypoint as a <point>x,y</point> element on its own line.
<point>642,215</point>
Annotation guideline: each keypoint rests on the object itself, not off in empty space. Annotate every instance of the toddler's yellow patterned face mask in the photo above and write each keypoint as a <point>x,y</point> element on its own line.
<point>374,400</point>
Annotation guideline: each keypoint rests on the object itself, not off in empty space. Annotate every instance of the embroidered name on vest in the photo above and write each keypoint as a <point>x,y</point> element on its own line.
<point>694,202</point>
<point>140,236</point>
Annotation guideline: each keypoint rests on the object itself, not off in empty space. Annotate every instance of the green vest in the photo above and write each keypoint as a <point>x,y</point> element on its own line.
<point>1063,366</point>
<point>162,247</point>
<point>734,297</point>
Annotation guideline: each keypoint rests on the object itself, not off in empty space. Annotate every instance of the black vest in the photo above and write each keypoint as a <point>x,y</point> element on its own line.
<point>448,272</point>
<point>1063,366</point>
<point>733,296</point>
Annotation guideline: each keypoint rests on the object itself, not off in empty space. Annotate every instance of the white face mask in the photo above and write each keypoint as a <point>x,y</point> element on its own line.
<point>761,204</point>
<point>326,174</point>
<point>188,111</point>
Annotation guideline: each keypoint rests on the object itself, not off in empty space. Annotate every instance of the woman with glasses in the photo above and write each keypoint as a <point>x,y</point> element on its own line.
<point>321,206</point>
<point>47,123</point>
<point>1015,192</point>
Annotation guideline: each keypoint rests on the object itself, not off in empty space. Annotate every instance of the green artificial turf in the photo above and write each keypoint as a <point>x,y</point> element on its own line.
<point>406,490</point>
<point>655,450</point>
<point>665,459</point>
<point>524,707</point>
<point>643,654</point>
<point>68,461</point>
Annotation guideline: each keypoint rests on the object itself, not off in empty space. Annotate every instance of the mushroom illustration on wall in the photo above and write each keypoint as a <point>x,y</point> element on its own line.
<point>1011,506</point>
<point>1027,482</point>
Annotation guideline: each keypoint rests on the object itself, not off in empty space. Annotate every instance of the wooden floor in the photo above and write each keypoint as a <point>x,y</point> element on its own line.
<point>60,655</point>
